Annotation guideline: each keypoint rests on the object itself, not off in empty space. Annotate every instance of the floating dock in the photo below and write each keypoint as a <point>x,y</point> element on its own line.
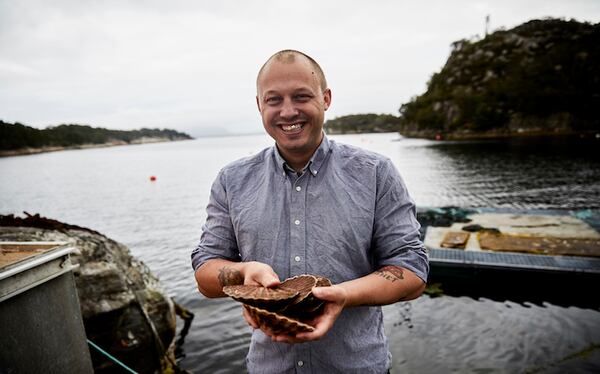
<point>536,258</point>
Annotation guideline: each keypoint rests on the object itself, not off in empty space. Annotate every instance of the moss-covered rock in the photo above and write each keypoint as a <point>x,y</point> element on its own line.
<point>542,77</point>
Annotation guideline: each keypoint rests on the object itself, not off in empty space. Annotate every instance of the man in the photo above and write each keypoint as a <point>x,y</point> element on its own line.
<point>309,205</point>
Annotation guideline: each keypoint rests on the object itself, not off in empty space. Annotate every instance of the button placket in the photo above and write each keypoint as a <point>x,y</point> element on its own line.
<point>298,226</point>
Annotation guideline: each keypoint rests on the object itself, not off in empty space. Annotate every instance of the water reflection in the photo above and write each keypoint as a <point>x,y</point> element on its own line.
<point>556,173</point>
<point>460,334</point>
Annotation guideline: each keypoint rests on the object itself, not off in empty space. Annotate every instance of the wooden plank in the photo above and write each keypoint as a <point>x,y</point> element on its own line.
<point>455,239</point>
<point>540,245</point>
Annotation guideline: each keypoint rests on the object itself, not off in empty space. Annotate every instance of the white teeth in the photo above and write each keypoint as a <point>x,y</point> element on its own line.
<point>291,127</point>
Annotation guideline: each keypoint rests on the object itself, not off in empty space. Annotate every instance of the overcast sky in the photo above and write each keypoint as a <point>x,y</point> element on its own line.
<point>191,65</point>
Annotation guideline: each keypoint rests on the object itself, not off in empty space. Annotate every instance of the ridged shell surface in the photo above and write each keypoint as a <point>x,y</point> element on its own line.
<point>248,292</point>
<point>276,322</point>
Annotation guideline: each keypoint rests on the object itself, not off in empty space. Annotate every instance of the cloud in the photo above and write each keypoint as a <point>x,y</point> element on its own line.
<point>186,64</point>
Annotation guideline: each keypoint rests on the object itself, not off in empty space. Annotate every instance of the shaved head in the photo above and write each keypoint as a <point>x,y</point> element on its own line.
<point>289,56</point>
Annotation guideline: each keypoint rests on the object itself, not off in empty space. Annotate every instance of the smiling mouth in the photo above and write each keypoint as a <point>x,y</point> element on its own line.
<point>293,127</point>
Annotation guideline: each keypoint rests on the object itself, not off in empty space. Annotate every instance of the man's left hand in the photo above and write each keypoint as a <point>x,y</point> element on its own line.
<point>335,300</point>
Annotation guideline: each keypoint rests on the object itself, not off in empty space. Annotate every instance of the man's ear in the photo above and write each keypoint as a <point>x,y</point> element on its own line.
<point>327,98</point>
<point>257,103</point>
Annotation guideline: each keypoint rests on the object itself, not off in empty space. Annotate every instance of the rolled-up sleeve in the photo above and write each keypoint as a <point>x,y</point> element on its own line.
<point>218,237</point>
<point>396,239</point>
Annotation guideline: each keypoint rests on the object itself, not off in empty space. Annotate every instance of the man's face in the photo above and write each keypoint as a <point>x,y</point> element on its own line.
<point>292,105</point>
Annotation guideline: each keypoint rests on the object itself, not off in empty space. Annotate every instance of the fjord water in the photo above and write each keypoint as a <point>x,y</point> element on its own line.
<point>109,190</point>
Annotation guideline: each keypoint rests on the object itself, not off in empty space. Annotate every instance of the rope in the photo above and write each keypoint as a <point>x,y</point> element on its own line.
<point>111,357</point>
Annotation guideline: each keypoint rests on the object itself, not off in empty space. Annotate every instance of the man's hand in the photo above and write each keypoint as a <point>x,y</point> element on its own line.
<point>335,300</point>
<point>259,274</point>
<point>214,274</point>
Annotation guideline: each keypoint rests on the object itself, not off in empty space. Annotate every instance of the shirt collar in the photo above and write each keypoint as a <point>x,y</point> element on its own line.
<point>313,165</point>
<point>319,157</point>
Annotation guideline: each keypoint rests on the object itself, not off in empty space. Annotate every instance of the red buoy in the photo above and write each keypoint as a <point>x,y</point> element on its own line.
<point>152,178</point>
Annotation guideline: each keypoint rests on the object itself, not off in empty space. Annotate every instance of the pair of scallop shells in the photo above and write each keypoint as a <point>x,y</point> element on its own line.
<point>285,307</point>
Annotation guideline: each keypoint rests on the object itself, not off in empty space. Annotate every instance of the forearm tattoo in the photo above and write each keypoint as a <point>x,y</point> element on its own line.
<point>230,277</point>
<point>391,273</point>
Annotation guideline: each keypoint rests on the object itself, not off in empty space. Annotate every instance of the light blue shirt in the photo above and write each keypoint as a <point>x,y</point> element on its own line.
<point>347,215</point>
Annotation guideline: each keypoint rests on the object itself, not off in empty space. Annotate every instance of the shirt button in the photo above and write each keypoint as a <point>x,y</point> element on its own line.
<point>300,363</point>
<point>297,222</point>
<point>297,259</point>
<point>298,188</point>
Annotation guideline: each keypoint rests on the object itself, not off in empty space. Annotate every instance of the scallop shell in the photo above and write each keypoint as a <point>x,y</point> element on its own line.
<point>322,281</point>
<point>277,323</point>
<point>305,305</point>
<point>262,297</point>
<point>285,307</point>
<point>302,284</point>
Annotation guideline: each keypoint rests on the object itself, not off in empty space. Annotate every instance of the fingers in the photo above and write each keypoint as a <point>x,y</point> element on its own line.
<point>323,293</point>
<point>322,325</point>
<point>260,274</point>
<point>268,279</point>
<point>334,294</point>
<point>286,339</point>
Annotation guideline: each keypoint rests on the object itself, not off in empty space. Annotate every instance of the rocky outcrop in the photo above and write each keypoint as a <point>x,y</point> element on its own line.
<point>539,78</point>
<point>125,310</point>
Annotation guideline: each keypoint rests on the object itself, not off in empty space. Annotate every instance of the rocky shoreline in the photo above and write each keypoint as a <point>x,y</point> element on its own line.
<point>124,307</point>
<point>114,143</point>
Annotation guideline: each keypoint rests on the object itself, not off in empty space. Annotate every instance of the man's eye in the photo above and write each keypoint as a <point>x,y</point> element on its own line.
<point>273,100</point>
<point>303,97</point>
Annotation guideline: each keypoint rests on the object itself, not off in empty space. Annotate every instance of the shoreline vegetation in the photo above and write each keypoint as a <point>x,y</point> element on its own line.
<point>539,79</point>
<point>17,139</point>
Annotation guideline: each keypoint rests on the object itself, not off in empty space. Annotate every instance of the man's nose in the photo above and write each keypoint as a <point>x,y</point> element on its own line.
<point>288,109</point>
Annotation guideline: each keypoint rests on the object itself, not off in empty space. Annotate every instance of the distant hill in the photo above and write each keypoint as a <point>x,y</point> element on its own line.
<point>16,138</point>
<point>542,77</point>
<point>360,123</point>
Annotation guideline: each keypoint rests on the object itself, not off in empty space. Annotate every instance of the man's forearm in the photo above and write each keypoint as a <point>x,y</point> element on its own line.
<point>384,286</point>
<point>216,273</point>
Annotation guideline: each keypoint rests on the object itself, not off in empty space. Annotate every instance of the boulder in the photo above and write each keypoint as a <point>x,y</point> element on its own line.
<point>125,310</point>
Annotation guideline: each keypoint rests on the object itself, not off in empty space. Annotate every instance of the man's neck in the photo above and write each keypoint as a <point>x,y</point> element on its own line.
<point>298,161</point>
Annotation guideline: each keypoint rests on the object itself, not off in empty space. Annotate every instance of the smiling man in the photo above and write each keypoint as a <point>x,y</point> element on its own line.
<point>292,97</point>
<point>311,205</point>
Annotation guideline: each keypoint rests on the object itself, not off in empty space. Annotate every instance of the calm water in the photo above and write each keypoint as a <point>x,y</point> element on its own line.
<point>109,190</point>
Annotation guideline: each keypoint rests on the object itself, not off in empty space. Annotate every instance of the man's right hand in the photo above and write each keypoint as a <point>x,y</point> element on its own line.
<point>259,274</point>
<point>216,273</point>
<point>213,275</point>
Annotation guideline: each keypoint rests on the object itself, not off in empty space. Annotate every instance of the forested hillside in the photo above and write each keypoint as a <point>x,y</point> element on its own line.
<point>15,136</point>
